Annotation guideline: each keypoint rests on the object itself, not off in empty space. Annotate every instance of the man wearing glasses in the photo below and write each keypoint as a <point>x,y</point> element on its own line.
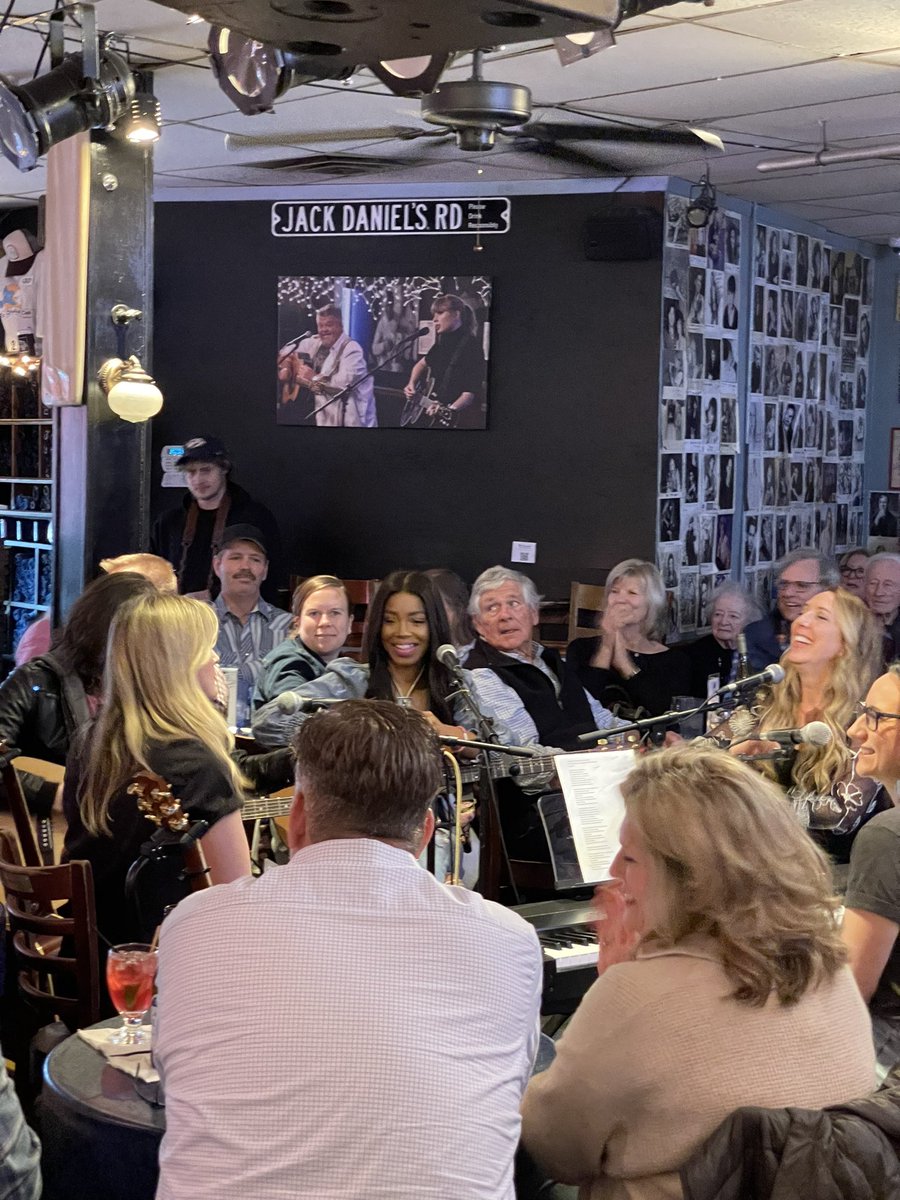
<point>882,596</point>
<point>801,574</point>
<point>872,914</point>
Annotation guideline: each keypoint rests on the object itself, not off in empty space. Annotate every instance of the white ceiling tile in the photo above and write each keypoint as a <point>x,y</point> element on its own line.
<point>820,26</point>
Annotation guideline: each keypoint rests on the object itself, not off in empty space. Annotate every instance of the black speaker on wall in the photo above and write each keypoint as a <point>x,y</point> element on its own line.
<point>624,235</point>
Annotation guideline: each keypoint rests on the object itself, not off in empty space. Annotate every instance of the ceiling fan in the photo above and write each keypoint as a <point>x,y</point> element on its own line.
<point>475,112</point>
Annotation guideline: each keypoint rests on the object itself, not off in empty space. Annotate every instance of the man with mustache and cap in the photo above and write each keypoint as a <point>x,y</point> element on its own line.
<point>249,627</point>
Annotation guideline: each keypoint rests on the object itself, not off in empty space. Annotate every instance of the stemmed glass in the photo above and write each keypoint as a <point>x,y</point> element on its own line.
<point>130,971</point>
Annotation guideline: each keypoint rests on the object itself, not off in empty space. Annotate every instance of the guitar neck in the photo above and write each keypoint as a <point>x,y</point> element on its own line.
<point>260,808</point>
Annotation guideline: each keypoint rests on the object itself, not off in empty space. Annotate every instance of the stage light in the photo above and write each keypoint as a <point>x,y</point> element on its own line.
<point>411,76</point>
<point>576,46</point>
<point>45,111</point>
<point>253,75</point>
<point>141,124</point>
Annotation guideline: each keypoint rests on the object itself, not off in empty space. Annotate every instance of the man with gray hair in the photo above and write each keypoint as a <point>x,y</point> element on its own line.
<point>882,596</point>
<point>800,575</point>
<point>313,372</point>
<point>401,1015</point>
<point>523,683</point>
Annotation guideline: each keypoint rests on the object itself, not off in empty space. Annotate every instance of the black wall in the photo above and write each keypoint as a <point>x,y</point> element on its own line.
<point>569,460</point>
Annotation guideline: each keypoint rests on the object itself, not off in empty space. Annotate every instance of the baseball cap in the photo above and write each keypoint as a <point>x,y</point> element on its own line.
<point>243,533</point>
<point>203,449</point>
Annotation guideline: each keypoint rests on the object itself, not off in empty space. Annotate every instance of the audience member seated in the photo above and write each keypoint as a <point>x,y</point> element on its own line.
<point>722,975</point>
<point>454,594</point>
<point>157,718</point>
<point>20,1165</point>
<point>872,913</point>
<point>400,1016</point>
<point>44,702</point>
<point>37,637</point>
<point>716,654</point>
<point>318,632</point>
<point>628,667</point>
<point>800,574</point>
<point>190,534</point>
<point>882,586</point>
<point>249,627</point>
<point>523,682</point>
<point>852,566</point>
<point>832,658</point>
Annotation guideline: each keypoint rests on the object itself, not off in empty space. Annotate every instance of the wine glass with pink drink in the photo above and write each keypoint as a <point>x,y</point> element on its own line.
<point>130,972</point>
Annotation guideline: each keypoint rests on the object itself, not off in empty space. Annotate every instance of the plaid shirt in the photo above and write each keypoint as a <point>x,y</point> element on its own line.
<point>245,645</point>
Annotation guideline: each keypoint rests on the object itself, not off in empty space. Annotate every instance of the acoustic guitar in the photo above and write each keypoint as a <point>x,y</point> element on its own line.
<point>414,412</point>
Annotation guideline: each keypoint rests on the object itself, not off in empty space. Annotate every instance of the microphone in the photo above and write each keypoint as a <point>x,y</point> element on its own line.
<point>774,673</point>
<point>815,733</point>
<point>447,657</point>
<point>293,702</point>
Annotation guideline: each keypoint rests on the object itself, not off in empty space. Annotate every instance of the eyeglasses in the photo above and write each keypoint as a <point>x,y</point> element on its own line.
<point>873,716</point>
<point>797,585</point>
<point>853,572</point>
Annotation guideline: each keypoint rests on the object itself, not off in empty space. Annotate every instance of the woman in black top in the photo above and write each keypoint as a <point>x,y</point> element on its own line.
<point>627,665</point>
<point>158,717</point>
<point>732,610</point>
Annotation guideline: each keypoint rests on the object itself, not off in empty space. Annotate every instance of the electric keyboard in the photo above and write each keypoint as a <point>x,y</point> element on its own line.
<point>565,929</point>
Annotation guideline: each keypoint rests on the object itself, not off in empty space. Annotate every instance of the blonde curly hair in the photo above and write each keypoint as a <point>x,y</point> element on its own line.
<point>733,864</point>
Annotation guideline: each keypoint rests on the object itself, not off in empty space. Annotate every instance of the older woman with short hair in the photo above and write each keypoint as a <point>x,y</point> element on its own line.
<point>628,664</point>
<point>715,655</point>
<point>722,984</point>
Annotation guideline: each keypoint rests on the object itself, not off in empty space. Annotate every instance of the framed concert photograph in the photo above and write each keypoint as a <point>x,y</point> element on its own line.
<point>894,464</point>
<point>389,352</point>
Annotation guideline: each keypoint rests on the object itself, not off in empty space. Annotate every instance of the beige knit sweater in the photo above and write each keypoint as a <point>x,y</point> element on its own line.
<point>657,1055</point>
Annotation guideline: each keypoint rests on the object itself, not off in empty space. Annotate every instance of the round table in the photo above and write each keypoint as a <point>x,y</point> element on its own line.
<point>100,1138</point>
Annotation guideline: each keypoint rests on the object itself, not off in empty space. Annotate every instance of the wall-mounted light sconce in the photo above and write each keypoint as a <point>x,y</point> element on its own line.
<point>132,393</point>
<point>701,203</point>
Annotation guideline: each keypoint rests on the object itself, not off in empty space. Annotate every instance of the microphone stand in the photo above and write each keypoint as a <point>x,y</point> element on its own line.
<point>344,394</point>
<point>291,346</point>
<point>648,724</point>
<point>491,828</point>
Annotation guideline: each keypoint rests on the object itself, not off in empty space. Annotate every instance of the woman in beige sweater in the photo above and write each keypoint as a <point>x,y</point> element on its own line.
<point>722,984</point>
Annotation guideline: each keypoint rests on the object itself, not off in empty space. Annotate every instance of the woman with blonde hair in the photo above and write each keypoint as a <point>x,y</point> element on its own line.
<point>319,631</point>
<point>158,717</point>
<point>722,984</point>
<point>628,664</point>
<point>833,655</point>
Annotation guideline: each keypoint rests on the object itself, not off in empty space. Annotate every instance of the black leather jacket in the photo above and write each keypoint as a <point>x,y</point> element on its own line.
<point>845,1152</point>
<point>41,707</point>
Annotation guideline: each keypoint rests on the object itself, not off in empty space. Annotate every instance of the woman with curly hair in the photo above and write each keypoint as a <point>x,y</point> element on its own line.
<point>722,984</point>
<point>833,655</point>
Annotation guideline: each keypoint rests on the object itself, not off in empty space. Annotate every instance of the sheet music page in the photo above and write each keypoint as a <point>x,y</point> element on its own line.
<point>591,784</point>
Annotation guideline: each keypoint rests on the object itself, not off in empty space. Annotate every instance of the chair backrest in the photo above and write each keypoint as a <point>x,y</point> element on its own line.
<point>56,955</point>
<point>22,819</point>
<point>585,602</point>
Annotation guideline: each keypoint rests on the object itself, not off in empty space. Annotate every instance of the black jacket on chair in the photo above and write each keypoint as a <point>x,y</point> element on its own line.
<point>845,1152</point>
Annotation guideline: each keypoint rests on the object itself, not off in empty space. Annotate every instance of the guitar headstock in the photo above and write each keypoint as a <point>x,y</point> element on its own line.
<point>155,801</point>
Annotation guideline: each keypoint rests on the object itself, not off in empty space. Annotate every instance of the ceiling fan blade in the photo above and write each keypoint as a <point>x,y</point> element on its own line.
<point>307,161</point>
<point>565,154</point>
<point>594,131</point>
<point>310,137</point>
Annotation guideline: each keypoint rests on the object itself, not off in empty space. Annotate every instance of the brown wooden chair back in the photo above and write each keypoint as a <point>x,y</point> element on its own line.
<point>22,818</point>
<point>56,957</point>
<point>585,602</point>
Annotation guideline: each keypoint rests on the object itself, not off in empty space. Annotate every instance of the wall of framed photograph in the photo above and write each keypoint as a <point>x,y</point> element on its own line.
<point>735,496</point>
<point>807,393</point>
<point>699,417</point>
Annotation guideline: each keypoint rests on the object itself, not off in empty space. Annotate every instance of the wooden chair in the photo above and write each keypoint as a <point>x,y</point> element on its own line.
<point>56,957</point>
<point>585,602</point>
<point>35,834</point>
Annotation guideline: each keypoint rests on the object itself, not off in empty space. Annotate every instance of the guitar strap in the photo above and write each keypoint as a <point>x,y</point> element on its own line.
<point>190,531</point>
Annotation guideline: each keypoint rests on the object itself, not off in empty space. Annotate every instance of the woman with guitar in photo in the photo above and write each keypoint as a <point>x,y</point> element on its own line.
<point>446,387</point>
<point>158,719</point>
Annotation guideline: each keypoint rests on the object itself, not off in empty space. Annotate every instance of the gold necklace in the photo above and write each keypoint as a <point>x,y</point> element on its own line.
<point>404,699</point>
